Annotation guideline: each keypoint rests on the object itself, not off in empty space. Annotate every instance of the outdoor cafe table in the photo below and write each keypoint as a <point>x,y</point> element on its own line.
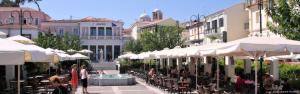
<point>46,83</point>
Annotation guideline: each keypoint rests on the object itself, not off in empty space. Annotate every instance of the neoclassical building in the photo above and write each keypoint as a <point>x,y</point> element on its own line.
<point>32,19</point>
<point>146,23</point>
<point>96,34</point>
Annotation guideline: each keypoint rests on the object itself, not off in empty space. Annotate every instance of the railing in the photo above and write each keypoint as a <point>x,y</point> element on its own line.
<point>104,37</point>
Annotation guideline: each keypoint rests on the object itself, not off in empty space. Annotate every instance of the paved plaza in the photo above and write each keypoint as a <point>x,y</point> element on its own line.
<point>140,88</point>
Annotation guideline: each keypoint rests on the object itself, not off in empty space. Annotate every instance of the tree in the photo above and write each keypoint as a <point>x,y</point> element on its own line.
<point>133,46</point>
<point>156,38</point>
<point>65,42</point>
<point>285,16</point>
<point>17,3</point>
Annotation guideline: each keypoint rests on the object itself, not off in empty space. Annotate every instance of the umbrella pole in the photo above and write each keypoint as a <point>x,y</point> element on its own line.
<point>19,85</point>
<point>261,60</point>
<point>196,61</point>
<point>255,75</point>
<point>218,69</point>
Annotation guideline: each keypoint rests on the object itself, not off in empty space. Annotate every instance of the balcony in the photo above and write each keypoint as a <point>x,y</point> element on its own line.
<point>102,37</point>
<point>212,31</point>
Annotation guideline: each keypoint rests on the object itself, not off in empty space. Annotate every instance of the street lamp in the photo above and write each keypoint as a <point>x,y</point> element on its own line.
<point>260,6</point>
<point>21,13</point>
<point>198,23</point>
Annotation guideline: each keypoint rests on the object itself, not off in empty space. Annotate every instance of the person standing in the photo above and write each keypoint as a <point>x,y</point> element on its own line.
<point>84,75</point>
<point>74,79</point>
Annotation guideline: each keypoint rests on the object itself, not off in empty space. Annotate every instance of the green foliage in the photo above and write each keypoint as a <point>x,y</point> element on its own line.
<point>239,64</point>
<point>265,66</point>
<point>285,15</point>
<point>58,42</point>
<point>289,71</point>
<point>16,3</point>
<point>150,40</point>
<point>133,46</point>
<point>8,3</point>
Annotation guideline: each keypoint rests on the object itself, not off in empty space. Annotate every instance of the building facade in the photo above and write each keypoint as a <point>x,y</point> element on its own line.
<point>32,19</point>
<point>104,37</point>
<point>146,23</point>
<point>252,6</point>
<point>222,26</point>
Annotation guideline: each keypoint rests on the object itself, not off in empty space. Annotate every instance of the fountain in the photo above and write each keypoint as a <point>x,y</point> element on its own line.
<point>111,79</point>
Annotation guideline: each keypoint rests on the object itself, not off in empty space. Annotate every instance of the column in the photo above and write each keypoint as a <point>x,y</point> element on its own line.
<point>89,49</point>
<point>89,32</point>
<point>247,65</point>
<point>275,69</point>
<point>104,32</point>
<point>96,32</point>
<point>229,68</point>
<point>104,53</point>
<point>97,53</point>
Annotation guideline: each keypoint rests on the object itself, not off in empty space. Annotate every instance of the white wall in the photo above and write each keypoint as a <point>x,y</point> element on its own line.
<point>13,32</point>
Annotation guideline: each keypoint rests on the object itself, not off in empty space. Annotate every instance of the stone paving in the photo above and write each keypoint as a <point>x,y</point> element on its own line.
<point>140,88</point>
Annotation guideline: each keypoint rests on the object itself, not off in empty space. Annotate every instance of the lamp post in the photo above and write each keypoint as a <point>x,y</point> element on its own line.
<point>260,6</point>
<point>198,23</point>
<point>21,13</point>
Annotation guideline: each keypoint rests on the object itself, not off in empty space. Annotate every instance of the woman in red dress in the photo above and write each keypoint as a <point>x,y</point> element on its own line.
<point>74,79</point>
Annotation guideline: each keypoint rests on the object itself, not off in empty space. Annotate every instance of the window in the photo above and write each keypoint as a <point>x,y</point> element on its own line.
<point>61,31</point>
<point>257,17</point>
<point>246,26</point>
<point>93,55</point>
<point>24,21</point>
<point>117,50</point>
<point>36,21</point>
<point>101,31</point>
<point>93,31</point>
<point>10,20</point>
<point>214,24</point>
<point>208,25</point>
<point>76,31</point>
<point>108,31</point>
<point>108,53</point>
<point>221,22</point>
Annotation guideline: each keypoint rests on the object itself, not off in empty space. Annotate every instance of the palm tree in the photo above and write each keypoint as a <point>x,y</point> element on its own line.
<point>9,3</point>
<point>29,1</point>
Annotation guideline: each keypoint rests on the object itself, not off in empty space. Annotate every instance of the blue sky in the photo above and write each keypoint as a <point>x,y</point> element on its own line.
<point>130,10</point>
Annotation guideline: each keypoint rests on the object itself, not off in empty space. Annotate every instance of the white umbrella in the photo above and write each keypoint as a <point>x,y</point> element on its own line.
<point>259,46</point>
<point>79,56</point>
<point>21,39</point>
<point>64,57</point>
<point>163,53</point>
<point>127,55</point>
<point>174,52</point>
<point>71,50</point>
<point>85,51</point>
<point>12,53</point>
